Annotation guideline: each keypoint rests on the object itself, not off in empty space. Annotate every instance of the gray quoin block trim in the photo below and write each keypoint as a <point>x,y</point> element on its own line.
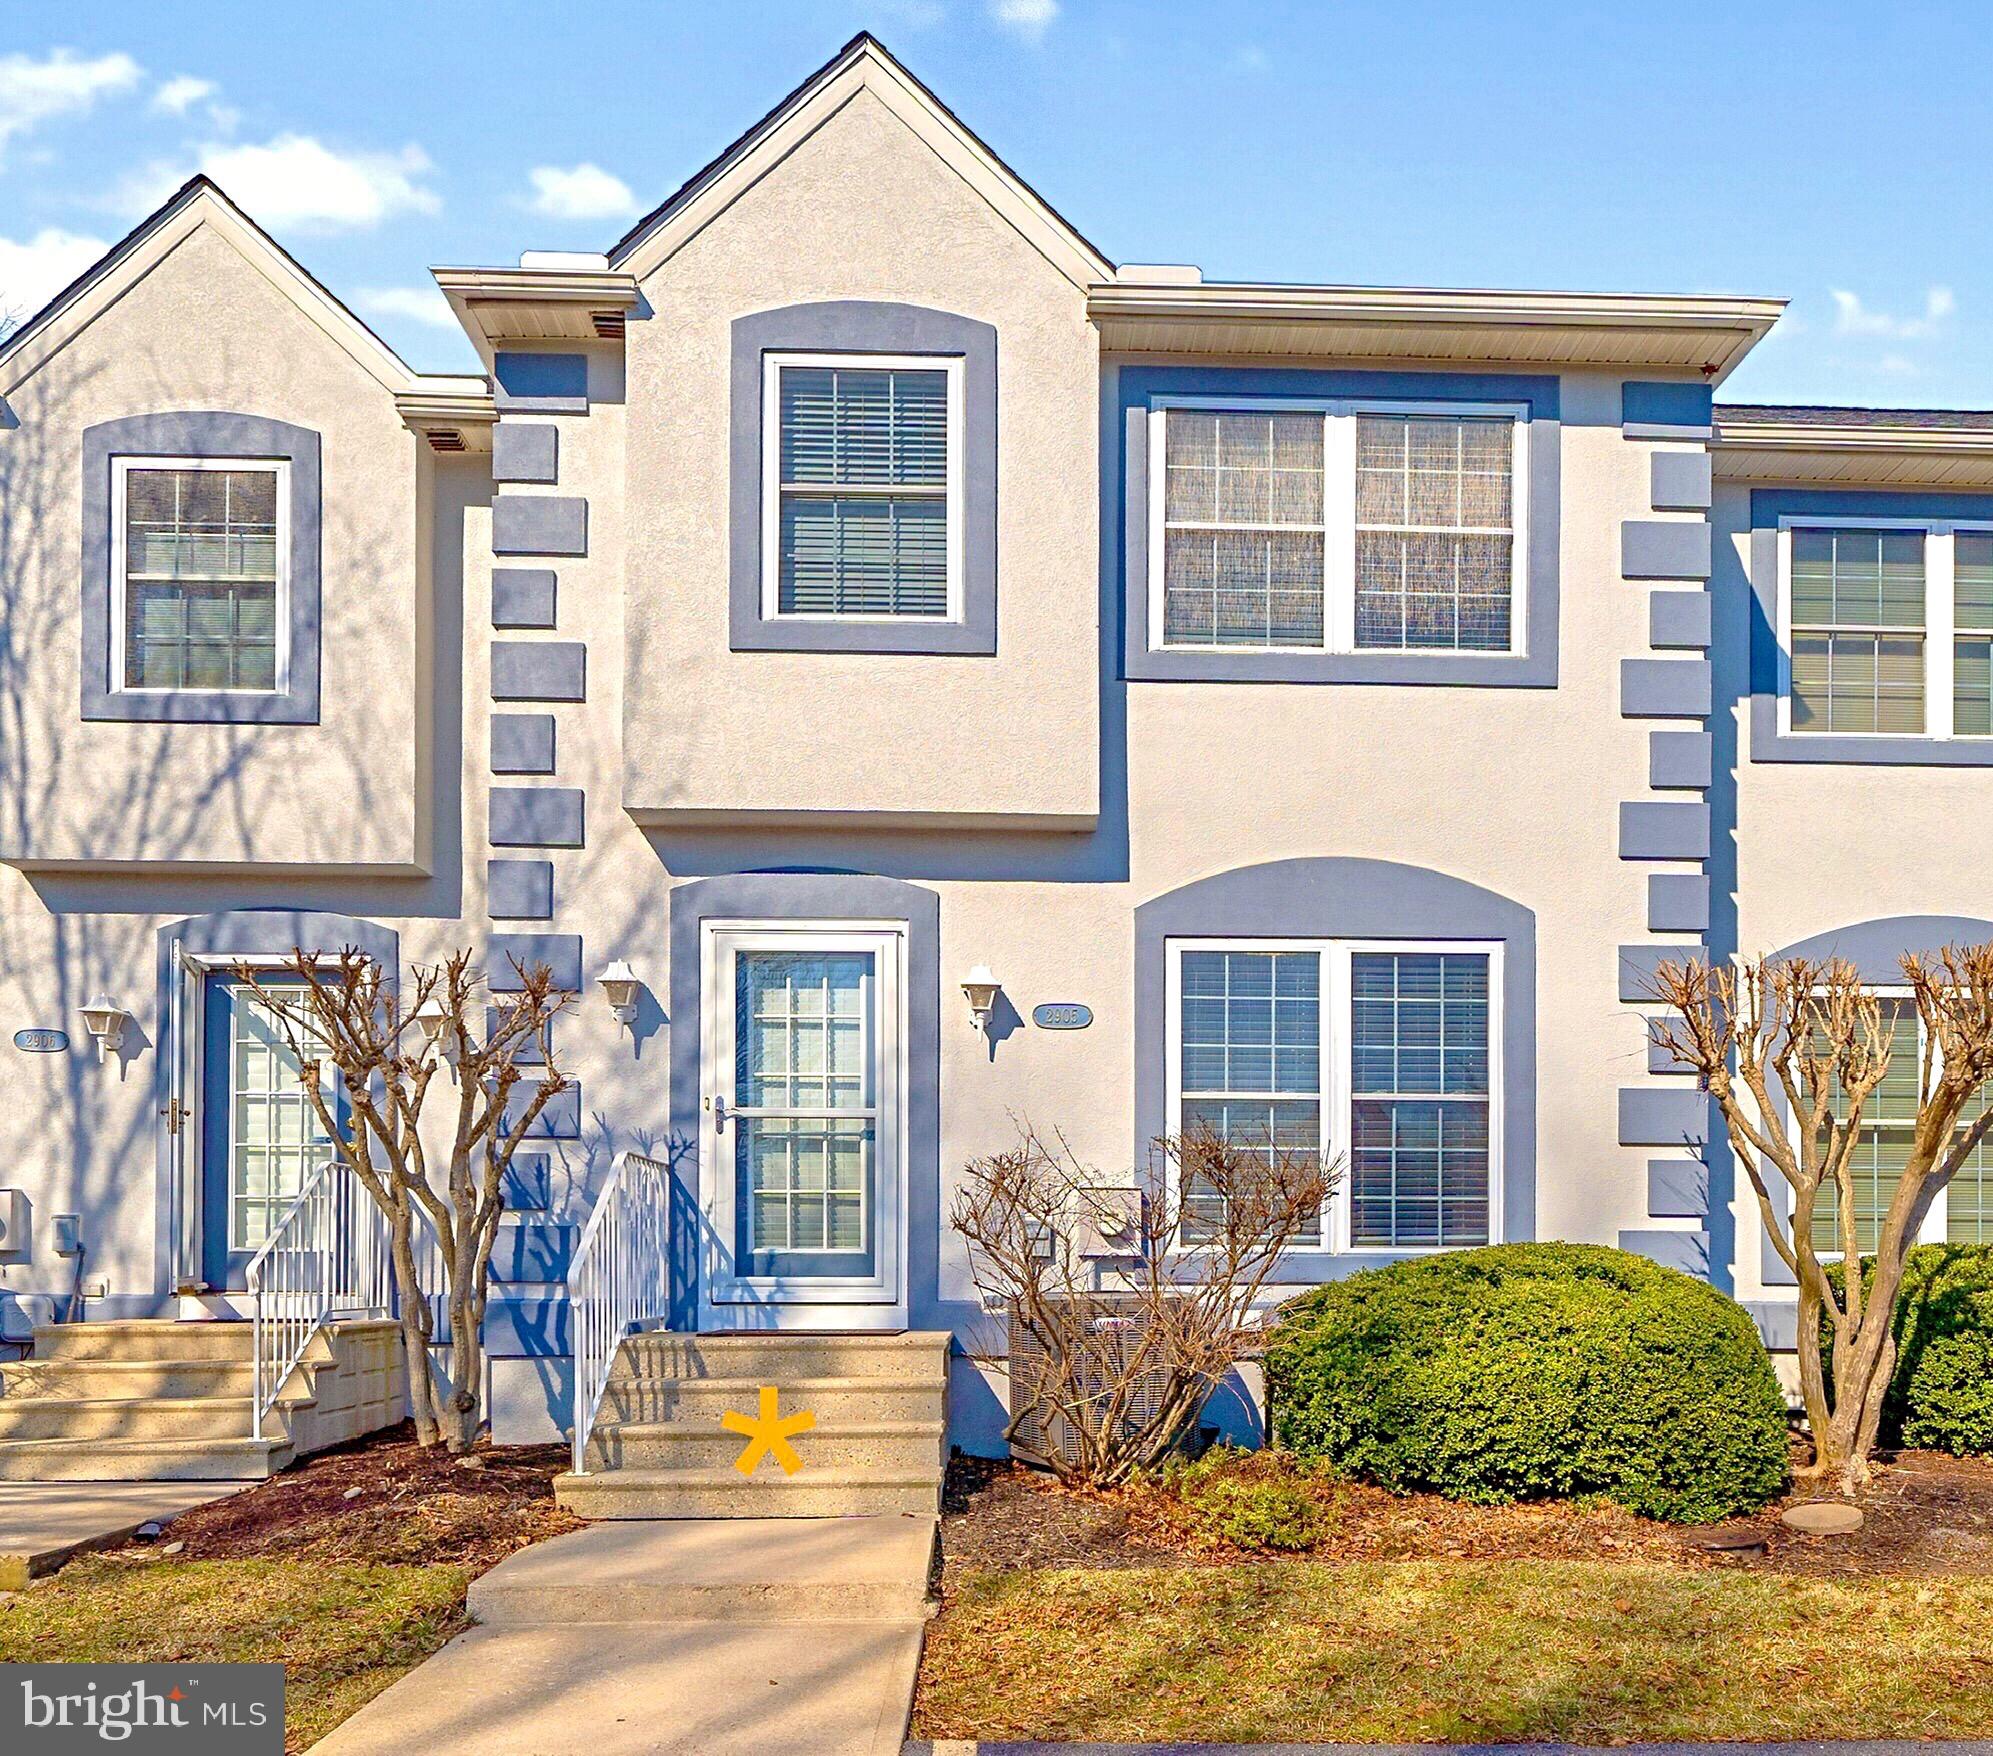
<point>535,817</point>
<point>1665,688</point>
<point>539,524</point>
<point>1659,1060</point>
<point>1661,1115</point>
<point>1663,830</point>
<point>1681,481</point>
<point>228,933</point>
<point>860,326</point>
<point>1659,409</point>
<point>1768,743</point>
<point>539,670</point>
<point>545,384</point>
<point>1677,1188</point>
<point>522,743</point>
<point>1778,1325</point>
<point>1678,619</point>
<point>1678,902</point>
<point>527,1188</point>
<point>205,434</point>
<point>1680,759</point>
<point>1670,548</point>
<point>525,451</point>
<point>1533,668</point>
<point>519,890</point>
<point>523,597</point>
<point>1688,1251</point>
<point>1637,964</point>
<point>560,952</point>
<point>1331,898</point>
<point>529,1053</point>
<point>560,1120</point>
<point>804,897</point>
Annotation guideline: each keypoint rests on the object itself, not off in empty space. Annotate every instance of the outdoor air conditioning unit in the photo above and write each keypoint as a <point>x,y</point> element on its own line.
<point>1038,1438</point>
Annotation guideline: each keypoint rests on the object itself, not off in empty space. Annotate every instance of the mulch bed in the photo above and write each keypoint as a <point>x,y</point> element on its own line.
<point>1925,1513</point>
<point>385,1498</point>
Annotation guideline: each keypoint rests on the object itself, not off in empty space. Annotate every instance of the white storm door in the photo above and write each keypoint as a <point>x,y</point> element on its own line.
<point>803,1097</point>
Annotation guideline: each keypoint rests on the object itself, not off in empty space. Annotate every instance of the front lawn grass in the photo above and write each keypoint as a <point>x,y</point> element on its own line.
<point>342,1630</point>
<point>1391,1652</point>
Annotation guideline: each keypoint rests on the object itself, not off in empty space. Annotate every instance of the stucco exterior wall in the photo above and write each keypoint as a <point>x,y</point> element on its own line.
<point>861,209</point>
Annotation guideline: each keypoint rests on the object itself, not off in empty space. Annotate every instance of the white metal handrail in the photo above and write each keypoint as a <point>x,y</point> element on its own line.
<point>326,1257</point>
<point>619,1281</point>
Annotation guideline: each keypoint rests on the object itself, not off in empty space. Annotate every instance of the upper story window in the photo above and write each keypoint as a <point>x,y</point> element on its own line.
<point>1886,628</point>
<point>862,513</point>
<point>198,574</point>
<point>1337,527</point>
<point>1383,1054</point>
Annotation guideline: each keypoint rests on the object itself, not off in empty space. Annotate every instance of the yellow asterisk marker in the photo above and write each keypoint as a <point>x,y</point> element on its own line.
<point>768,1435</point>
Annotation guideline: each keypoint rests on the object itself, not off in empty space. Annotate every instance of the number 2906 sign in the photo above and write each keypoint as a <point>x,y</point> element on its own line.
<point>41,1042</point>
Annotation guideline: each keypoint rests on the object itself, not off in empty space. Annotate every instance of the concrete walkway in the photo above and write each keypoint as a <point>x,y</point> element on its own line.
<point>43,1523</point>
<point>680,1637</point>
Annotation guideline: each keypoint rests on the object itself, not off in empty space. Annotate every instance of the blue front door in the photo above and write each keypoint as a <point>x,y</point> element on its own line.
<point>259,1136</point>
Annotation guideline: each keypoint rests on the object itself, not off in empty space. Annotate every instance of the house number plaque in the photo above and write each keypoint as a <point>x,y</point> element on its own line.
<point>41,1042</point>
<point>1062,1015</point>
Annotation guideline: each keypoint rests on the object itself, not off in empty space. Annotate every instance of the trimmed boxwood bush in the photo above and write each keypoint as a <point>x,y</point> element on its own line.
<point>1941,1394</point>
<point>1531,1370</point>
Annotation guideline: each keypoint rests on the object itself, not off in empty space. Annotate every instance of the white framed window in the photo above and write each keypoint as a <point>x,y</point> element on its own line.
<point>200,575</point>
<point>862,487</point>
<point>1344,526</point>
<point>1384,1053</point>
<point>1885,628</point>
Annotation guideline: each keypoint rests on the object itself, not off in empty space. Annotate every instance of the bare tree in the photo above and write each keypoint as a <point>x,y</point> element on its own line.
<point>345,1020</point>
<point>1793,1051</point>
<point>1138,1300</point>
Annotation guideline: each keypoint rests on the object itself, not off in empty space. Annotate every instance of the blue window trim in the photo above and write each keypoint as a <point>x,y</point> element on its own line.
<point>803,897</point>
<point>1768,743</point>
<point>1345,899</point>
<point>205,434</point>
<point>859,326</point>
<point>1534,668</point>
<point>271,932</point>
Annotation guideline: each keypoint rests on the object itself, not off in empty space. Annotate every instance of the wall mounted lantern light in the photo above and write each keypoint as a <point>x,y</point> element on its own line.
<point>105,1020</point>
<point>619,986</point>
<point>980,989</point>
<point>432,1015</point>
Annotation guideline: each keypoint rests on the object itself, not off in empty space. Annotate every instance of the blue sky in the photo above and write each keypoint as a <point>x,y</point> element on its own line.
<point>1830,152</point>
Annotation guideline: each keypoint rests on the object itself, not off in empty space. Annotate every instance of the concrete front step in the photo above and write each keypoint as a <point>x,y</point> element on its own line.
<point>126,1380</point>
<point>726,1493</point>
<point>834,1400</point>
<point>777,1358</point>
<point>157,1339</point>
<point>717,1570</point>
<point>141,1460</point>
<point>199,1417</point>
<point>895,1447</point>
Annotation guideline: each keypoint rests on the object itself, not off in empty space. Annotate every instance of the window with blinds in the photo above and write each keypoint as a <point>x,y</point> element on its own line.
<point>1972,634</point>
<point>200,574</point>
<point>1857,631</point>
<point>1336,529</point>
<point>862,502</point>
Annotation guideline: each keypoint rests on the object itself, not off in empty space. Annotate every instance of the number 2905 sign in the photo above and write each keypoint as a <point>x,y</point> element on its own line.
<point>1062,1015</point>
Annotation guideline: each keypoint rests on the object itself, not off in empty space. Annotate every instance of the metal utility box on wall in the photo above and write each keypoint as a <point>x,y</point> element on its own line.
<point>13,1222</point>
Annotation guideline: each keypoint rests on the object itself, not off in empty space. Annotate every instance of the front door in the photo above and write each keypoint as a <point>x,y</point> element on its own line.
<point>802,1098</point>
<point>259,1137</point>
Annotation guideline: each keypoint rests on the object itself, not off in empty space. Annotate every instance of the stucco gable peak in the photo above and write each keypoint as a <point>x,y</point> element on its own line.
<point>863,64</point>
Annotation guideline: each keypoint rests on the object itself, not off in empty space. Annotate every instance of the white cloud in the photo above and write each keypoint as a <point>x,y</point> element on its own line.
<point>1250,58</point>
<point>584,192</point>
<point>417,304</point>
<point>33,271</point>
<point>1852,317</point>
<point>63,84</point>
<point>178,95</point>
<point>1029,19</point>
<point>298,181</point>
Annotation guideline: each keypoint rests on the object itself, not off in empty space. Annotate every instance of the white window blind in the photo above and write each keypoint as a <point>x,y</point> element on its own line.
<point>1336,528</point>
<point>864,471</point>
<point>200,559</point>
<point>1857,630</point>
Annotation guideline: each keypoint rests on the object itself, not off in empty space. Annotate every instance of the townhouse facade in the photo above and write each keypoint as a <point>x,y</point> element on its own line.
<point>1307,711</point>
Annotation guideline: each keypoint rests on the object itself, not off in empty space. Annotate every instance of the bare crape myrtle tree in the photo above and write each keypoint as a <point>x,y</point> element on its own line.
<point>1139,1300</point>
<point>1794,1052</point>
<point>357,1035</point>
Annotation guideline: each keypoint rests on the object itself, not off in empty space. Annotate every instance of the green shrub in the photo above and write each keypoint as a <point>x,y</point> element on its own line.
<point>1250,1501</point>
<point>1941,1393</point>
<point>1525,1371</point>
